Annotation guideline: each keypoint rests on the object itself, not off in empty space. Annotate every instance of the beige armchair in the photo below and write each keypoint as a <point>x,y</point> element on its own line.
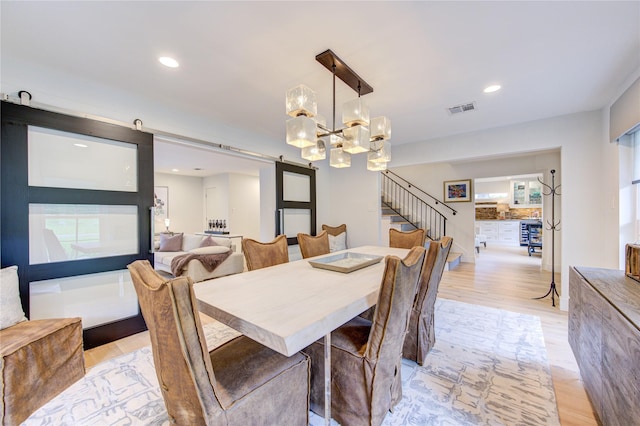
<point>261,255</point>
<point>38,358</point>
<point>406,239</point>
<point>311,246</point>
<point>238,383</point>
<point>366,355</point>
<point>421,334</point>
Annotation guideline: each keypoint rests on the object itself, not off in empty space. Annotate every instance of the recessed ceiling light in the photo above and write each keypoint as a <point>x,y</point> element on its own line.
<point>169,62</point>
<point>175,170</point>
<point>80,145</point>
<point>493,88</point>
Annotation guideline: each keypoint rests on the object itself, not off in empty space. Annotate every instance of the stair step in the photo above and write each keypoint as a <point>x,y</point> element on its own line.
<point>453,260</point>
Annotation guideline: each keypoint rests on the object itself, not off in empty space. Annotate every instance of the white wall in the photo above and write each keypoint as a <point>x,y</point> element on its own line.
<point>492,187</point>
<point>579,137</point>
<point>244,205</point>
<point>240,205</point>
<point>217,186</point>
<point>430,177</point>
<point>185,202</point>
<point>354,198</point>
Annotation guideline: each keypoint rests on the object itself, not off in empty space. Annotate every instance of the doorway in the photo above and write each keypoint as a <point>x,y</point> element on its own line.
<point>206,184</point>
<point>508,217</point>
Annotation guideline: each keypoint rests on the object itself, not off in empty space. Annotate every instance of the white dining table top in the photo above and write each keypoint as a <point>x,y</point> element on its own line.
<point>289,306</point>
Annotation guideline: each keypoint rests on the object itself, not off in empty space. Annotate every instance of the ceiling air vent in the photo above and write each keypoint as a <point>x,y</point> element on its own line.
<point>471,106</point>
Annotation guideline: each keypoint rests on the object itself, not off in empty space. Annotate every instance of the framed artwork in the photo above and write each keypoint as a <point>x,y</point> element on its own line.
<point>161,207</point>
<point>457,191</point>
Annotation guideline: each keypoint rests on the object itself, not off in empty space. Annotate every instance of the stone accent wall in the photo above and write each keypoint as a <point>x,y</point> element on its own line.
<point>490,213</point>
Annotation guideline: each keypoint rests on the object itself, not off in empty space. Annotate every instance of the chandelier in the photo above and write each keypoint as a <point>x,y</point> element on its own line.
<point>308,130</point>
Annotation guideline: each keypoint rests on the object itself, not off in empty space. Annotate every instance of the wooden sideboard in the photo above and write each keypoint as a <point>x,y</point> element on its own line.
<point>604,333</point>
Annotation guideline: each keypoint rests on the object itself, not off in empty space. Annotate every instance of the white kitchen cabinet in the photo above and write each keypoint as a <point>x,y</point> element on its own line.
<point>525,193</point>
<point>500,231</point>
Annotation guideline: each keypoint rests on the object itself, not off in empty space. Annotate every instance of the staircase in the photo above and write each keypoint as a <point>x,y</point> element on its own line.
<point>403,203</point>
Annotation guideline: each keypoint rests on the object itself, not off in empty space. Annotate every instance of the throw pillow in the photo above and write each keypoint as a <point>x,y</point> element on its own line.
<point>210,250</point>
<point>170,242</point>
<point>11,311</point>
<point>338,242</point>
<point>209,241</point>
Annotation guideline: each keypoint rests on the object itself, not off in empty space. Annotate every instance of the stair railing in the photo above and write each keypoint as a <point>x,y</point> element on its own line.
<point>397,196</point>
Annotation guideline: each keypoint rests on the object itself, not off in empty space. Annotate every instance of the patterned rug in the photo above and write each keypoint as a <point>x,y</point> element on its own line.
<point>488,367</point>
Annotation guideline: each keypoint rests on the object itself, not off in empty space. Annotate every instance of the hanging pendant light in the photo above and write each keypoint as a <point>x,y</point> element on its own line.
<point>315,152</point>
<point>360,135</point>
<point>339,159</point>
<point>356,139</point>
<point>380,152</point>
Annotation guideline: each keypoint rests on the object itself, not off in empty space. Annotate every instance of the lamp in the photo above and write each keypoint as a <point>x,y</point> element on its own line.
<point>306,128</point>
<point>166,223</point>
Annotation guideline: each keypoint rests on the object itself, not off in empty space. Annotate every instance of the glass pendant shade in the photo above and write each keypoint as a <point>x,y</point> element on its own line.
<point>380,152</point>
<point>380,128</point>
<point>301,132</point>
<point>355,112</point>
<point>339,158</point>
<point>301,100</point>
<point>321,124</point>
<point>316,152</point>
<point>336,140</point>
<point>356,139</point>
<point>376,167</point>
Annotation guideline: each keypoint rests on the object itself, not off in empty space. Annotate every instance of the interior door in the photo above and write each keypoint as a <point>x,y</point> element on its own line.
<point>295,201</point>
<point>76,197</point>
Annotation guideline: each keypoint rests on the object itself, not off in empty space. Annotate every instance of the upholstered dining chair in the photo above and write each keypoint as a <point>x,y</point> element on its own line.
<point>406,239</point>
<point>239,382</point>
<point>311,246</point>
<point>421,334</point>
<point>337,236</point>
<point>260,255</point>
<point>366,355</point>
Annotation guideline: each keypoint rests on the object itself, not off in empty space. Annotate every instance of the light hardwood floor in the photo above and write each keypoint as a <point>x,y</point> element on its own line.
<point>504,278</point>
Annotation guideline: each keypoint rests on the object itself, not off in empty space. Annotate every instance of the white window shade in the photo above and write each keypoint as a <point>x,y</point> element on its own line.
<point>624,114</point>
<point>635,143</point>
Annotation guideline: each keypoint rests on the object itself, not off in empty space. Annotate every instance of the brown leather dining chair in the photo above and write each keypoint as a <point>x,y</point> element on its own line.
<point>406,239</point>
<point>337,236</point>
<point>311,246</point>
<point>335,230</point>
<point>261,255</point>
<point>366,355</point>
<point>421,334</point>
<point>239,382</point>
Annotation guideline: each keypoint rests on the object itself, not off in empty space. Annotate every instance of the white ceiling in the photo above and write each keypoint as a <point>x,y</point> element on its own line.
<point>238,58</point>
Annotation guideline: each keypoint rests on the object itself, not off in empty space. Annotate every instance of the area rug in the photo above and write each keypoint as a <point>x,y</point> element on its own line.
<point>488,367</point>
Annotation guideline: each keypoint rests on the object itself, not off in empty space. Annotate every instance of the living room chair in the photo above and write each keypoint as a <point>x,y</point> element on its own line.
<point>238,383</point>
<point>311,246</point>
<point>38,358</point>
<point>366,355</point>
<point>406,239</point>
<point>421,333</point>
<point>261,255</point>
<point>337,236</point>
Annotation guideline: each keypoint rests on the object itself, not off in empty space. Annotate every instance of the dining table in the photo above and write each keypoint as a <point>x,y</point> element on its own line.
<point>287,307</point>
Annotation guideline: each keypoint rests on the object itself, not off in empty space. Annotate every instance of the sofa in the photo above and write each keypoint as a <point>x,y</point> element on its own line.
<point>173,245</point>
